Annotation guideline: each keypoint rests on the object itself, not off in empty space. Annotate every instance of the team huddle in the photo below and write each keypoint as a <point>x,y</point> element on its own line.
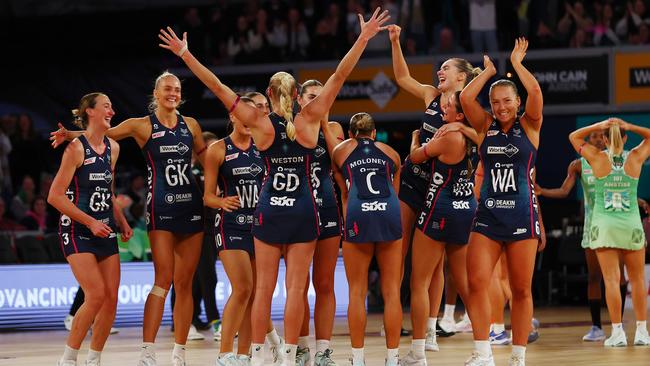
<point>465,192</point>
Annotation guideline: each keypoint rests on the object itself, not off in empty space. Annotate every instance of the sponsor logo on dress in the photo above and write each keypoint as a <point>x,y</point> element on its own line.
<point>181,148</point>
<point>171,198</point>
<point>331,224</point>
<point>520,231</point>
<point>319,151</point>
<point>89,160</point>
<point>492,133</point>
<point>232,156</point>
<point>196,218</point>
<point>429,128</point>
<point>508,150</point>
<point>498,203</point>
<point>158,134</point>
<point>105,176</point>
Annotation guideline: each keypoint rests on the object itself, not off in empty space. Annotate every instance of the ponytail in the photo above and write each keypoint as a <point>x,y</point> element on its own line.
<point>80,116</point>
<point>283,86</point>
<point>615,147</point>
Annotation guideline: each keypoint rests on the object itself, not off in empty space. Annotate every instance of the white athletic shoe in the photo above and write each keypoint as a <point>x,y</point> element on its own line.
<point>67,322</point>
<point>448,325</point>
<point>95,362</point>
<point>391,363</point>
<point>244,360</point>
<point>411,360</point>
<point>228,359</point>
<point>357,363</point>
<point>194,335</point>
<point>464,326</point>
<point>595,334</point>
<point>516,361</point>
<point>276,352</point>
<point>478,360</point>
<point>641,337</point>
<point>431,342</point>
<point>617,339</point>
<point>323,358</point>
<point>178,361</point>
<point>147,357</point>
<point>302,356</point>
<point>66,363</point>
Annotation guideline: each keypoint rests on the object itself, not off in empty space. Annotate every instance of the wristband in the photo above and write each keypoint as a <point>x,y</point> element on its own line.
<point>183,50</point>
<point>234,105</point>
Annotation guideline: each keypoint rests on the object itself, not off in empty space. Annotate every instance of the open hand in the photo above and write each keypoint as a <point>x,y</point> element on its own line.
<point>172,42</point>
<point>229,204</point>
<point>519,51</point>
<point>374,25</point>
<point>59,136</point>
<point>448,127</point>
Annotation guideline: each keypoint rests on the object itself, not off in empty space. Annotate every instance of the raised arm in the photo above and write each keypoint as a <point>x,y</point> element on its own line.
<point>213,160</point>
<point>577,139</point>
<point>466,130</point>
<point>227,96</point>
<point>535,100</point>
<point>321,105</point>
<point>477,117</point>
<point>401,70</point>
<point>573,172</point>
<point>73,158</point>
<point>128,128</point>
<point>641,151</point>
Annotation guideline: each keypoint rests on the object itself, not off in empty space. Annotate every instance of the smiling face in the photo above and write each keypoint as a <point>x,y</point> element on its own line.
<point>167,92</point>
<point>450,112</point>
<point>449,77</point>
<point>101,114</point>
<point>504,102</point>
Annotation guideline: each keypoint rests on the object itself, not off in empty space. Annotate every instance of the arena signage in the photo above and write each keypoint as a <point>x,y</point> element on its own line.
<point>632,77</point>
<point>39,296</point>
<point>571,80</point>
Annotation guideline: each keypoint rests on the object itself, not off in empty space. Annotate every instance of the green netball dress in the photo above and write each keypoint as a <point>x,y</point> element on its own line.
<point>588,190</point>
<point>615,221</point>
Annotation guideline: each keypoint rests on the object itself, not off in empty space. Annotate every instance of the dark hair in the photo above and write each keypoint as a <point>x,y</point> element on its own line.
<point>253,94</point>
<point>307,84</point>
<point>362,124</point>
<point>80,115</point>
<point>466,67</point>
<point>469,144</point>
<point>38,197</point>
<point>506,83</point>
<point>207,135</point>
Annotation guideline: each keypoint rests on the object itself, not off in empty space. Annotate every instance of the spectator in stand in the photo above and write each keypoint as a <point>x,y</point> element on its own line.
<point>136,189</point>
<point>580,39</point>
<point>244,43</point>
<point>635,15</point>
<point>23,199</point>
<point>6,223</point>
<point>36,218</point>
<point>352,20</point>
<point>415,20</point>
<point>5,150</point>
<point>377,46</point>
<point>337,28</point>
<point>297,36</point>
<point>26,144</point>
<point>604,34</point>
<point>217,29</point>
<point>643,37</point>
<point>193,24</point>
<point>262,29</point>
<point>575,19</point>
<point>483,26</point>
<point>324,43</point>
<point>447,44</point>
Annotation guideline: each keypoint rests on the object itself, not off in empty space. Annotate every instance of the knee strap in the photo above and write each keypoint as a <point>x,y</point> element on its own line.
<point>158,291</point>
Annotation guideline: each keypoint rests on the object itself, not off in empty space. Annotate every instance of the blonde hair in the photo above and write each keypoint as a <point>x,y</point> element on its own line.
<point>79,114</point>
<point>466,67</point>
<point>153,104</point>
<point>283,86</point>
<point>616,144</point>
<point>362,123</point>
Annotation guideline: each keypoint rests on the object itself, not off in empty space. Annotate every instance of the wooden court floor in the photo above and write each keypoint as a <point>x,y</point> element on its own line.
<point>560,343</point>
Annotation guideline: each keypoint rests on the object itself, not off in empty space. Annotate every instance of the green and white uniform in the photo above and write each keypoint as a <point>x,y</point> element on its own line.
<point>615,221</point>
<point>588,190</point>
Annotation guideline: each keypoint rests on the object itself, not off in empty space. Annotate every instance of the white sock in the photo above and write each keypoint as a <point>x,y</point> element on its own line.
<point>179,351</point>
<point>94,355</point>
<point>392,354</point>
<point>642,324</point>
<point>431,323</point>
<point>498,328</point>
<point>303,342</point>
<point>483,348</point>
<point>70,354</point>
<point>519,351</point>
<point>466,317</point>
<point>358,355</point>
<point>272,337</point>
<point>290,354</point>
<point>417,347</point>
<point>322,345</point>
<point>617,327</point>
<point>449,311</point>
<point>257,356</point>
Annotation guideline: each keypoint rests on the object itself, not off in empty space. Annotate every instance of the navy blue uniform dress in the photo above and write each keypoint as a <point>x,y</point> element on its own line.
<point>240,175</point>
<point>449,205</point>
<point>174,200</point>
<point>414,178</point>
<point>373,207</point>
<point>508,207</point>
<point>324,193</point>
<point>286,212</point>
<point>91,191</point>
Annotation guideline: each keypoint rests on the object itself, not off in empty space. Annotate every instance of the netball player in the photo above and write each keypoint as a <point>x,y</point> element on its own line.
<point>507,211</point>
<point>367,173</point>
<point>453,75</point>
<point>83,192</point>
<point>174,209</point>
<point>287,214</point>
<point>616,229</point>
